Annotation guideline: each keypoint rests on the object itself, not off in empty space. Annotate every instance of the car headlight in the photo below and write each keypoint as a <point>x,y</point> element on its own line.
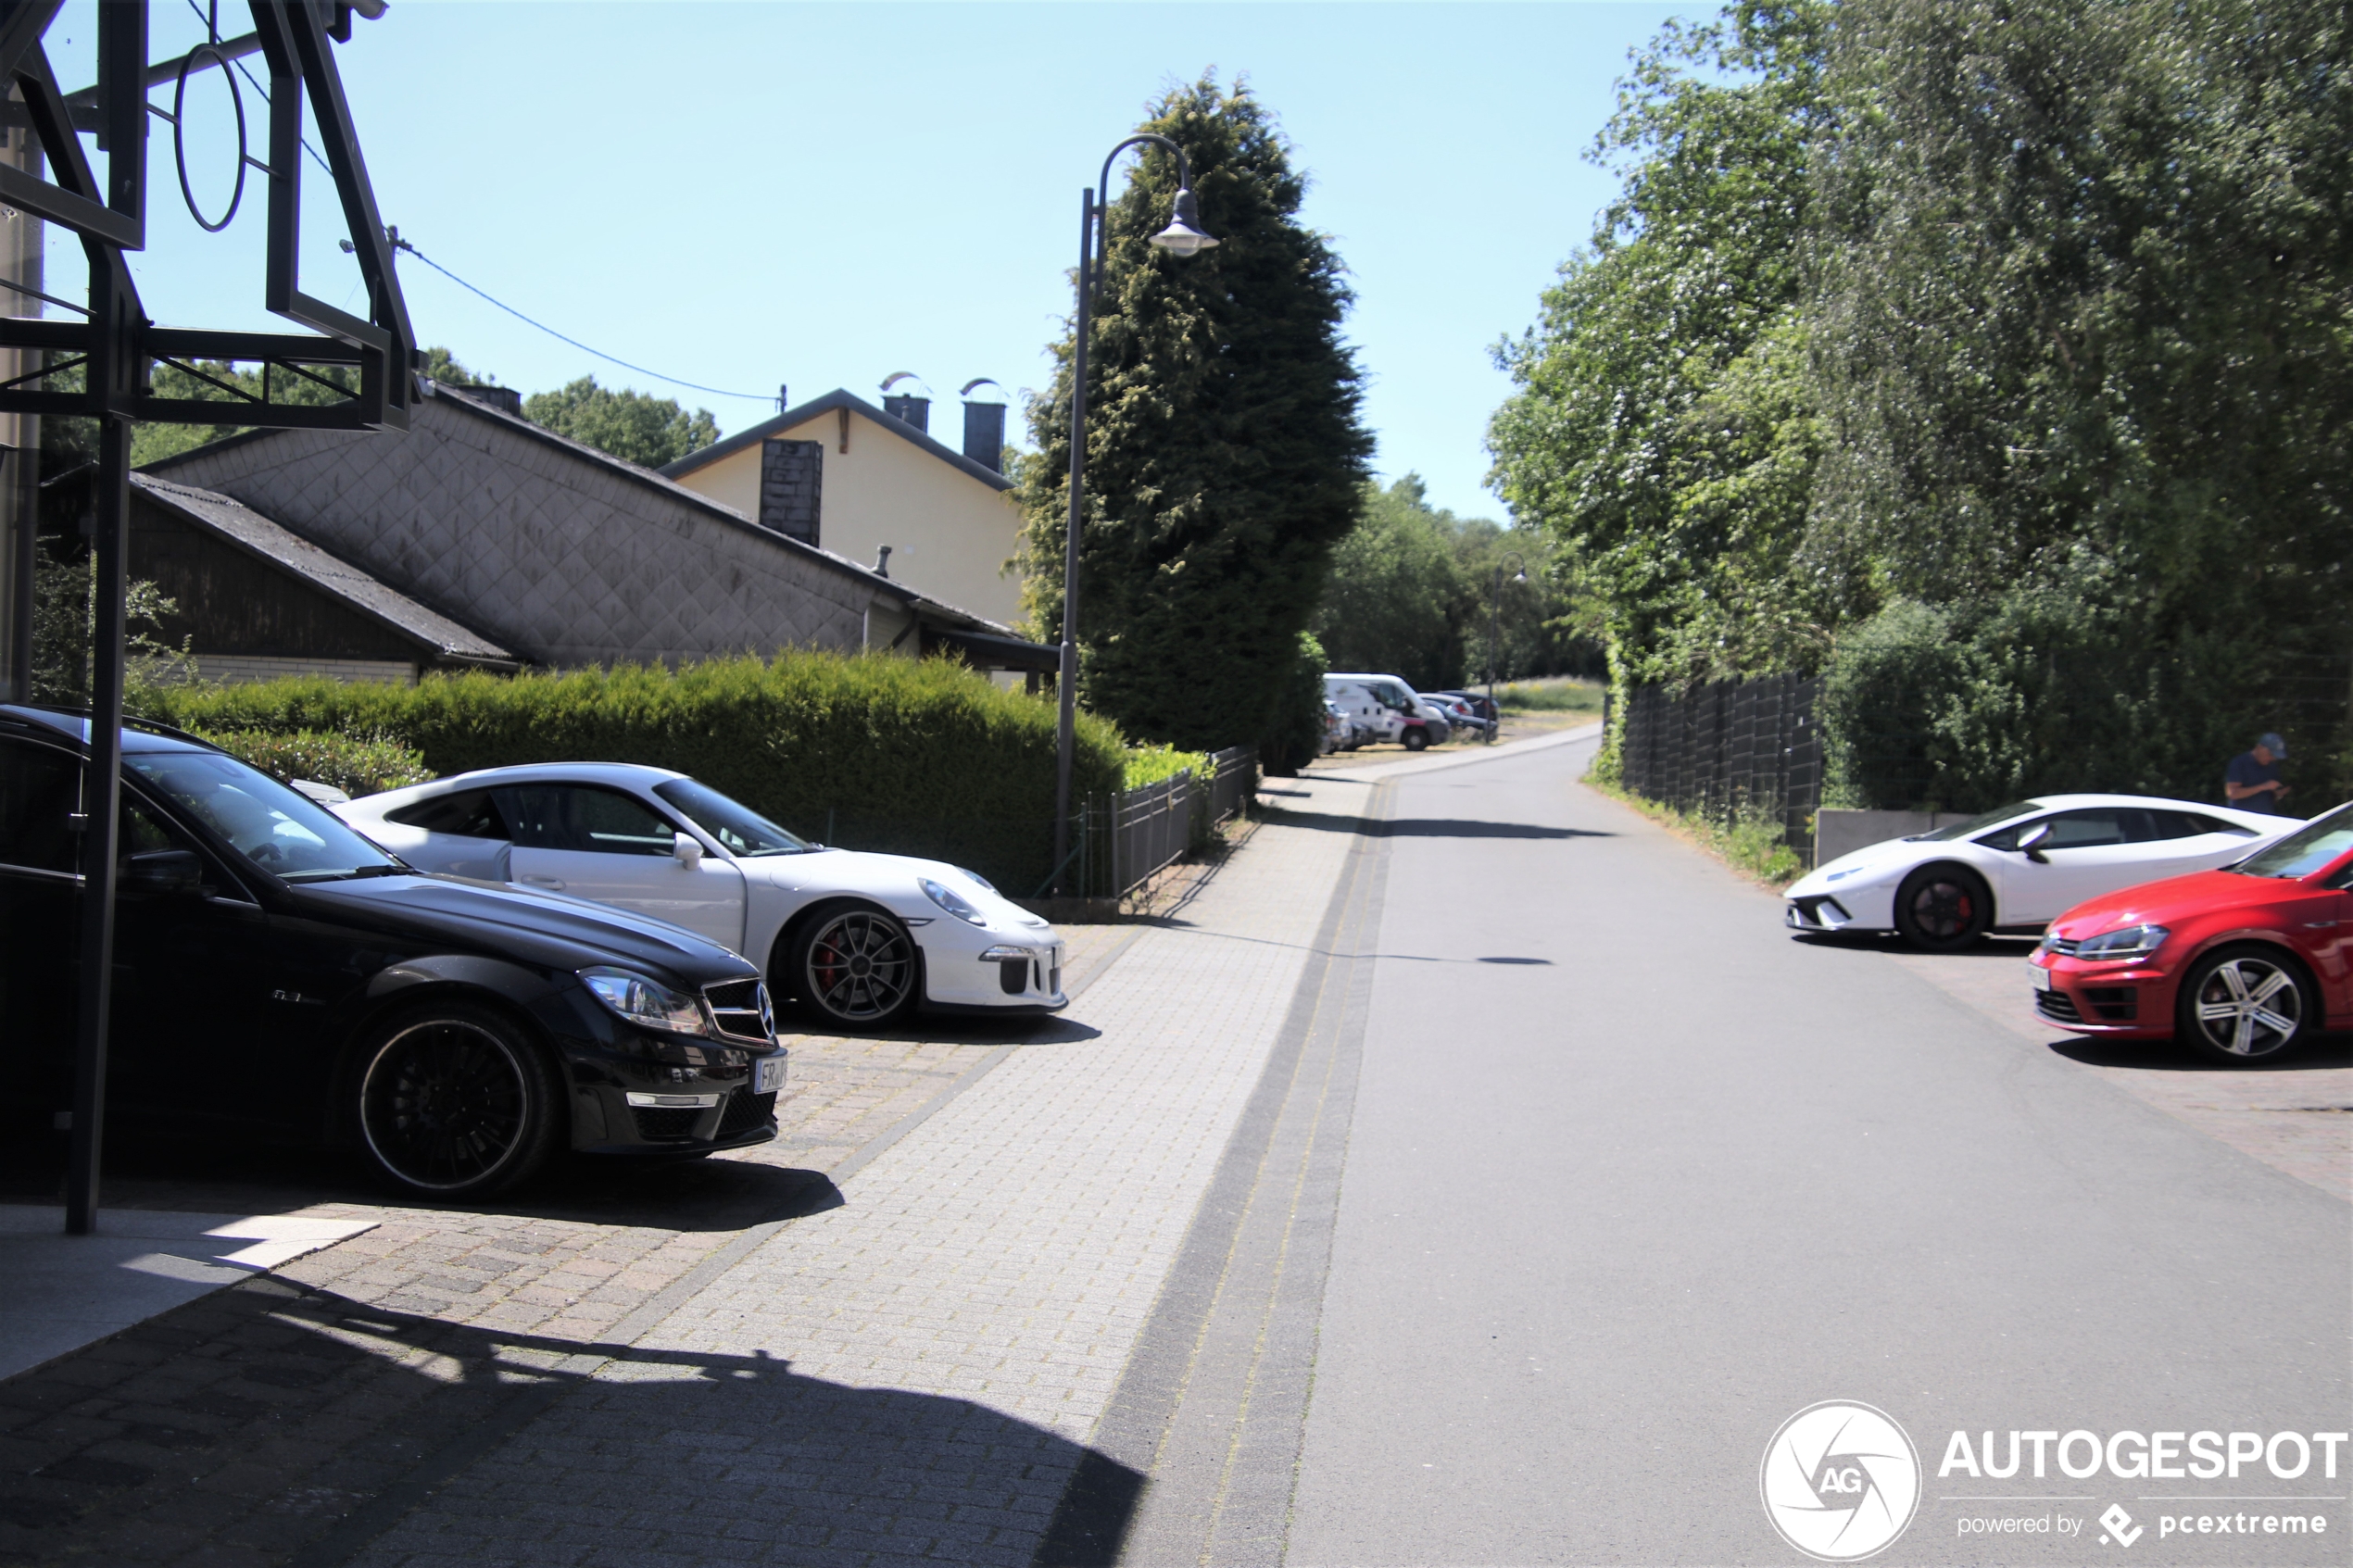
<point>953,901</point>
<point>641,1000</point>
<point>986,885</point>
<point>2133,942</point>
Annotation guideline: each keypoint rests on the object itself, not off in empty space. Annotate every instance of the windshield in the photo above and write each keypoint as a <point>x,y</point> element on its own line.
<point>268,823</point>
<point>1992,819</point>
<point>2306,850</point>
<point>739,828</point>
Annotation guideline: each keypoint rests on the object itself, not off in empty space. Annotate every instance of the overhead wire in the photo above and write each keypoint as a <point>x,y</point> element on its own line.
<point>211,28</point>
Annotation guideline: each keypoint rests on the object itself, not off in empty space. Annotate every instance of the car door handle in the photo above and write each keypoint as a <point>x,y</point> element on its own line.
<point>553,884</point>
<point>2320,924</point>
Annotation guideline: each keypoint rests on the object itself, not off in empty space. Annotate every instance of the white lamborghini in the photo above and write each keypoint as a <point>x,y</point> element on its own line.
<point>2020,866</point>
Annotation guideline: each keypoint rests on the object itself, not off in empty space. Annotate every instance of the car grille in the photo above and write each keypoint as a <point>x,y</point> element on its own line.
<point>2058,1005</point>
<point>665,1123</point>
<point>2063,947</point>
<point>740,1009</point>
<point>743,1110</point>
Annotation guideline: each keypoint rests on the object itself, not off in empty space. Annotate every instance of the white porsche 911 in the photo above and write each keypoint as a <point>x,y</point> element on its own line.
<point>858,940</point>
<point>2020,866</point>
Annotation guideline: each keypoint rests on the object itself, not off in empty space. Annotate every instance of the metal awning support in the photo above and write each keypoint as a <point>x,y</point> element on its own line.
<point>114,344</point>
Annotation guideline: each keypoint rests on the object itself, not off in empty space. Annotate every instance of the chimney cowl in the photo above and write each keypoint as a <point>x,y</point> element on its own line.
<point>984,428</point>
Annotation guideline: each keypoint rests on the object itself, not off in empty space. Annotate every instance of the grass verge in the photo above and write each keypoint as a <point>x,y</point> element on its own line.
<point>1751,844</point>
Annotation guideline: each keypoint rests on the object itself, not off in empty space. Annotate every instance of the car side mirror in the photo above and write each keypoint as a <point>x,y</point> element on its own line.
<point>687,848</point>
<point>2031,842</point>
<point>166,873</point>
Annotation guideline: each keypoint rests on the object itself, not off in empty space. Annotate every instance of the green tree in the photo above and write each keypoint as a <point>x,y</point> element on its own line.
<point>1398,599</point>
<point>1225,454</point>
<point>1663,430</point>
<point>632,426</point>
<point>2083,357</point>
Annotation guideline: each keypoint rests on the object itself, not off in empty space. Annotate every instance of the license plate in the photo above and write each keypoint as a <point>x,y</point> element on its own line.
<point>2042,980</point>
<point>768,1074</point>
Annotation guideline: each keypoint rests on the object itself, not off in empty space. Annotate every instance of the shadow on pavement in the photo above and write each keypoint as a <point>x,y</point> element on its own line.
<point>2168,1056</point>
<point>1996,945</point>
<point>227,1174</point>
<point>1431,827</point>
<point>270,1424</point>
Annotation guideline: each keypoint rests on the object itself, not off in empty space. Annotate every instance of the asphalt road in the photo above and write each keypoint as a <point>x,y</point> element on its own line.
<point>1633,1179</point>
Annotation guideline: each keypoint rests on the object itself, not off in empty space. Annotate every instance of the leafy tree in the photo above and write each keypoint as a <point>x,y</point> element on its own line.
<point>1225,454</point>
<point>1663,430</point>
<point>1396,600</point>
<point>1415,592</point>
<point>443,366</point>
<point>2087,379</point>
<point>632,426</point>
<point>65,622</point>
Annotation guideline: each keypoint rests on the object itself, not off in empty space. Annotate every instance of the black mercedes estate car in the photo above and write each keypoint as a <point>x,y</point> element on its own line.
<point>277,975</point>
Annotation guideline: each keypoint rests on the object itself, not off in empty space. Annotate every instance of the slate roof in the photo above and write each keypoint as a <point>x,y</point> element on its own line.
<point>921,440</point>
<point>241,527</point>
<point>562,553</point>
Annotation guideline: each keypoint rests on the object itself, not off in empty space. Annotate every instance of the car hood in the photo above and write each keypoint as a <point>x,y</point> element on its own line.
<point>2175,898</point>
<point>548,928</point>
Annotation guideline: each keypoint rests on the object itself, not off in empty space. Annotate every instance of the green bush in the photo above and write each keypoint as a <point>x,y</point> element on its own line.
<point>869,751</point>
<point>1150,764</point>
<point>356,765</point>
<point>1550,697</point>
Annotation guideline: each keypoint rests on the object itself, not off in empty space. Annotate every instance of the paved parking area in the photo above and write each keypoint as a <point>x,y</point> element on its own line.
<point>2296,1115</point>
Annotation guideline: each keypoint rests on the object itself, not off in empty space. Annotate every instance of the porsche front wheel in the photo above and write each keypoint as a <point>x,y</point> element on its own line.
<point>853,967</point>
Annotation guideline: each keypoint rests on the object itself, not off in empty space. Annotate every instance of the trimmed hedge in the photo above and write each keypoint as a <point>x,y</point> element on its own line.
<point>355,765</point>
<point>870,751</point>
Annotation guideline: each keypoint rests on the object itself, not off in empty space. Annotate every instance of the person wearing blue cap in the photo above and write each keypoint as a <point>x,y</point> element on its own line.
<point>2252,780</point>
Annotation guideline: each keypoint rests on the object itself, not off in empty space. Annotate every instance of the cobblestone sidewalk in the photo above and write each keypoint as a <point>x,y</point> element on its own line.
<point>822,1363</point>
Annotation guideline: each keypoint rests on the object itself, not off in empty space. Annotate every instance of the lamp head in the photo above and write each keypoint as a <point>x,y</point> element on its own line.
<point>1183,235</point>
<point>1520,576</point>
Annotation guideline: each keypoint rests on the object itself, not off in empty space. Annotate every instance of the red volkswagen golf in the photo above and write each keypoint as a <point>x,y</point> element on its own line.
<point>2243,963</point>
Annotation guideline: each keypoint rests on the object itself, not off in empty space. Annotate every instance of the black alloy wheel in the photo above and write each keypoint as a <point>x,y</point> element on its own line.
<point>854,967</point>
<point>1943,908</point>
<point>1415,739</point>
<point>2245,1004</point>
<point>455,1103</point>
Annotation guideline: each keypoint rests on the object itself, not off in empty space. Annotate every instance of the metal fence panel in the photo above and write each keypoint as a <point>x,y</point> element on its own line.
<point>1727,747</point>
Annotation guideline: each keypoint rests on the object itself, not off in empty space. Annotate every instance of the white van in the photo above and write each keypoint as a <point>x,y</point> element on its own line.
<point>1388,708</point>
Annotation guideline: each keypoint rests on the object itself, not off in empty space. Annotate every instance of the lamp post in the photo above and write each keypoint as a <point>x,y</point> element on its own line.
<point>1496,638</point>
<point>1182,236</point>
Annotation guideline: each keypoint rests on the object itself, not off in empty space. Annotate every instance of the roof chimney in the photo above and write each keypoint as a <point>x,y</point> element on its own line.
<point>914,410</point>
<point>984,428</point>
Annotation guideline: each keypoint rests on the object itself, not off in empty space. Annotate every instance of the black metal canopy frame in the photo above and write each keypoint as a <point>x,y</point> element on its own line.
<point>114,347</point>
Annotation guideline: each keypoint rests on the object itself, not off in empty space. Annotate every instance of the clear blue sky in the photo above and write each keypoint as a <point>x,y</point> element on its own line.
<point>748,194</point>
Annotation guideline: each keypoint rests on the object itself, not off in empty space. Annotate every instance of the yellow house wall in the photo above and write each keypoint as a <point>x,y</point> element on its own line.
<point>950,534</point>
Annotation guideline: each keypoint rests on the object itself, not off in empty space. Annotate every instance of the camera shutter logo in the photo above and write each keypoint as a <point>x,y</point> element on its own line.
<point>1839,1481</point>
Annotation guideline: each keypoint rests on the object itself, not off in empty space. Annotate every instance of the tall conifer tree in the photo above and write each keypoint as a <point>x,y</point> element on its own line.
<point>1225,457</point>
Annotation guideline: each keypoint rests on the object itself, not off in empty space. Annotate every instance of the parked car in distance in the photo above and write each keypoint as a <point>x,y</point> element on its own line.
<point>1460,712</point>
<point>1391,707</point>
<point>2241,963</point>
<point>2018,866</point>
<point>278,976</point>
<point>1339,734</point>
<point>857,941</point>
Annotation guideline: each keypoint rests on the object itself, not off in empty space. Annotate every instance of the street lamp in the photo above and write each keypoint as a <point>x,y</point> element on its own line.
<point>1496,638</point>
<point>1184,236</point>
